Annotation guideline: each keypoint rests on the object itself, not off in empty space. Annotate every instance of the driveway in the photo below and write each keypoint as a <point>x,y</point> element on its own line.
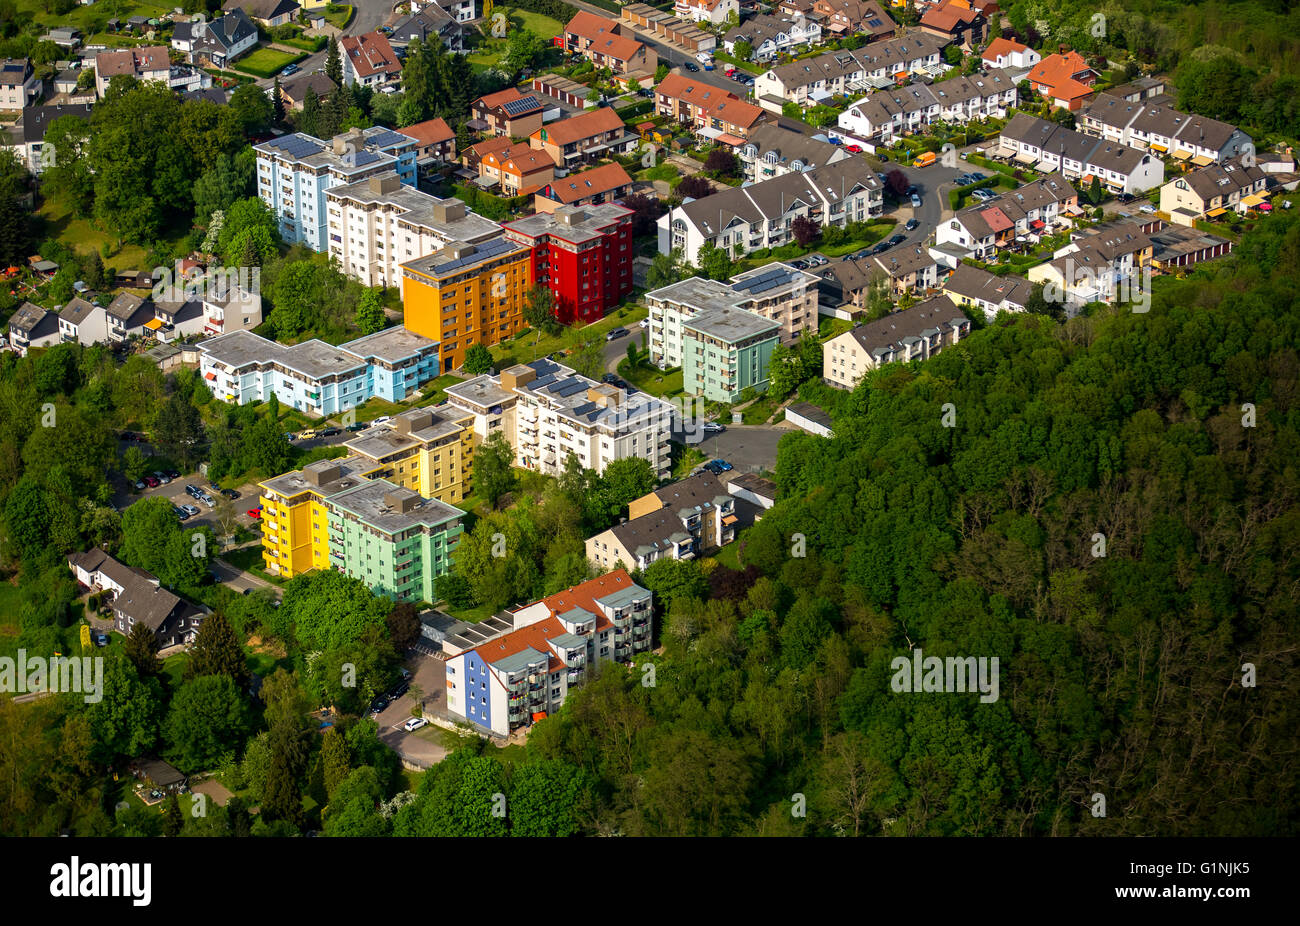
<point>748,448</point>
<point>424,746</point>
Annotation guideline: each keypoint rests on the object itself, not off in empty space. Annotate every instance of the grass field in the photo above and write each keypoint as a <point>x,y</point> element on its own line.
<point>760,411</point>
<point>266,62</point>
<point>91,19</point>
<point>521,349</point>
<point>338,15</point>
<point>84,238</point>
<point>653,380</point>
<point>9,598</point>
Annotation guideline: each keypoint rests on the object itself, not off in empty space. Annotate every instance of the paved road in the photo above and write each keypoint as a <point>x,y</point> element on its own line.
<point>422,747</point>
<point>370,15</point>
<point>748,448</point>
<point>239,580</point>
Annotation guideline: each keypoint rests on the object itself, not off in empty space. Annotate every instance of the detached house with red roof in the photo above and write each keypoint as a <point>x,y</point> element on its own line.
<point>369,60</point>
<point>519,170</point>
<point>583,138</point>
<point>607,45</point>
<point>1004,53</point>
<point>957,21</point>
<point>517,678</point>
<point>603,184</point>
<point>507,112</point>
<point>1064,79</point>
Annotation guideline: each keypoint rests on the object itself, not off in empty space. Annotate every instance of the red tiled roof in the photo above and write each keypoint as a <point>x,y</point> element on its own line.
<point>595,122</point>
<point>369,54</point>
<point>589,183</point>
<point>429,132</point>
<point>1001,46</point>
<point>1057,73</point>
<point>590,26</point>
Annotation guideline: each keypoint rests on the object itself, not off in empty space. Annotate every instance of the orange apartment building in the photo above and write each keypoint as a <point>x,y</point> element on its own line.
<point>519,169</point>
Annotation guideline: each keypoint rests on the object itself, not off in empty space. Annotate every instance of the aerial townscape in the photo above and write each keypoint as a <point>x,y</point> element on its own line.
<point>693,418</point>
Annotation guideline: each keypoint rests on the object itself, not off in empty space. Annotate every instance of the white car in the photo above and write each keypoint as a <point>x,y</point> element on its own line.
<point>644,323</point>
<point>1146,208</point>
<point>414,724</point>
<point>382,419</point>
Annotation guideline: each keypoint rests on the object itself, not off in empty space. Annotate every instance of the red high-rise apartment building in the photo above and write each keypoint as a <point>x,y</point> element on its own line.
<point>583,254</point>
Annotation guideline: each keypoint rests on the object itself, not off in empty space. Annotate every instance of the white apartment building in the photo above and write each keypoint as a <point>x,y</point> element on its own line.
<point>556,412</point>
<point>744,219</point>
<point>1036,208</point>
<point>377,224</point>
<point>515,678</point>
<point>886,114</point>
<point>912,334</point>
<point>848,72</point>
<point>772,151</point>
<point>709,11</point>
<point>295,171</point>
<point>18,84</point>
<point>776,292</point>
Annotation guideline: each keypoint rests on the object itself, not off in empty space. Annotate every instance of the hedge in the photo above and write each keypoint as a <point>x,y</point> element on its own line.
<point>556,9</point>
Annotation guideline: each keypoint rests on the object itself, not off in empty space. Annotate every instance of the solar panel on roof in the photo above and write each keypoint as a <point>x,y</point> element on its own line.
<point>544,381</point>
<point>521,105</point>
<point>584,408</point>
<point>569,387</point>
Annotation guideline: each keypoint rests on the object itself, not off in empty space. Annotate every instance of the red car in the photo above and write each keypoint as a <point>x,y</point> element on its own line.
<point>255,512</point>
<point>151,481</point>
<point>854,149</point>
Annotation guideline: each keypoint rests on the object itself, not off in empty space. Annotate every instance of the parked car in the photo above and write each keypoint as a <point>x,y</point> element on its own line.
<point>912,225</point>
<point>897,240</point>
<point>193,491</point>
<point>615,334</point>
<point>854,149</point>
<point>377,706</point>
<point>208,500</point>
<point>230,494</point>
<point>916,201</point>
<point>912,189</point>
<point>141,485</point>
<point>100,638</point>
<point>976,176</point>
<point>309,434</point>
<point>255,513</point>
<point>712,427</point>
<point>331,432</point>
<point>643,323</point>
<point>289,69</point>
<point>691,66</point>
<point>289,435</point>
<point>151,481</point>
<point>398,690</point>
<point>180,512</point>
<point>382,419</point>
<point>162,478</point>
<point>1146,208</point>
<point>414,724</point>
<point>214,486</point>
<point>190,510</point>
<point>171,474</point>
<point>880,248</point>
<point>359,426</point>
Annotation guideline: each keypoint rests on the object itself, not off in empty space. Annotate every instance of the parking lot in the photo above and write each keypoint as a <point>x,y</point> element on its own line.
<point>748,448</point>
<point>422,747</point>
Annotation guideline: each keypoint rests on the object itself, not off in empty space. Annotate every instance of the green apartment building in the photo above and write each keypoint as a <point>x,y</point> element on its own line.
<point>393,539</point>
<point>726,351</point>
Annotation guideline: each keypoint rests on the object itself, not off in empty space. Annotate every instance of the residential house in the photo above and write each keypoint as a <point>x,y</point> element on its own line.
<point>684,520</point>
<point>1213,190</point>
<point>294,89</point>
<point>65,36</point>
<point>911,269</point>
<point>435,143</point>
<point>955,21</point>
<point>1096,263</point>
<point>32,326</point>
<point>1009,55</point>
<point>218,43</point>
<point>772,151</point>
<point>844,72</point>
<point>558,413</point>
<point>607,45</point>
<point>433,23</point>
<point>267,13</point>
<point>710,11</point>
<point>713,113</point>
<point>472,156</point>
<point>137,597</point>
<point>19,87</point>
<point>507,112</point>
<point>1154,125</point>
<point>770,36</point>
<point>776,292</point>
<point>883,116</point>
<point>1139,89</point>
<point>745,219</point>
<point>230,308</point>
<point>369,60</point>
<point>1048,146</point>
<point>605,184</point>
<point>147,62</point>
<point>512,680</point>
<point>912,334</point>
<point>519,170</point>
<point>991,294</point>
<point>584,138</point>
<point>1065,79</point>
<point>1037,208</point>
<point>27,137</point>
<point>83,322</point>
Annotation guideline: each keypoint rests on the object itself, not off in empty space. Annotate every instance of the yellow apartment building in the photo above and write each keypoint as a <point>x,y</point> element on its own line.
<point>467,294</point>
<point>295,519</point>
<point>427,450</point>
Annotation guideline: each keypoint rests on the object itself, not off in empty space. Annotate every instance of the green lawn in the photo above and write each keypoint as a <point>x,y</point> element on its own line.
<point>9,598</point>
<point>173,669</point>
<point>538,24</point>
<point>728,556</point>
<point>760,411</point>
<point>338,14</point>
<point>651,379</point>
<point>249,559</point>
<point>266,62</point>
<point>521,348</point>
<point>90,19</point>
<point>83,237</point>
<point>743,65</point>
<point>830,327</point>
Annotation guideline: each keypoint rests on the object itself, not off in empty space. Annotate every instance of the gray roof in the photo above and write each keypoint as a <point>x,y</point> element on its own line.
<point>812,412</point>
<point>975,283</point>
<point>418,208</point>
<point>902,261</point>
<point>885,335</point>
<point>78,310</point>
<point>27,317</point>
<point>650,532</point>
<point>324,477</point>
<point>793,146</point>
<point>876,56</point>
<point>482,392</point>
<point>700,490</point>
<point>765,488</point>
<point>1225,179</point>
<point>1113,239</point>
<point>128,308</point>
<point>1176,240</point>
<point>373,502</point>
<point>35,120</point>
<point>392,345</point>
<point>295,88</point>
<point>583,223</point>
<point>732,325</point>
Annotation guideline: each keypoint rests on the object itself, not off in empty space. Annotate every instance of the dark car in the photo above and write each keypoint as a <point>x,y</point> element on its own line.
<point>230,494</point>
<point>193,491</point>
<point>912,225</point>
<point>691,66</point>
<point>609,378</point>
<point>883,156</point>
<point>377,706</point>
<point>911,190</point>
<point>180,512</point>
<point>880,248</point>
<point>976,176</point>
<point>897,240</point>
<point>171,474</point>
<point>398,690</point>
<point>356,427</point>
<point>713,468</point>
<point>330,432</point>
<point>722,465</point>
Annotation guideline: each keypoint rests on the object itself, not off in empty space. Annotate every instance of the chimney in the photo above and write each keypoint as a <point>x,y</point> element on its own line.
<point>448,210</point>
<point>382,184</point>
<point>570,215</point>
<point>519,375</point>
